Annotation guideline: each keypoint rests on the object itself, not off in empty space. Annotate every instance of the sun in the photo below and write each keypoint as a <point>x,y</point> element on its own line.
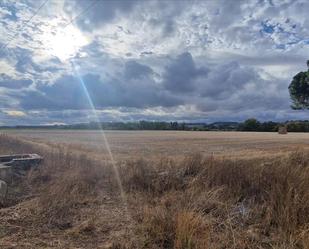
<point>64,43</point>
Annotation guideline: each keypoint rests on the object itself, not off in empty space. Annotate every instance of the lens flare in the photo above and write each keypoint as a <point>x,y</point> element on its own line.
<point>103,136</point>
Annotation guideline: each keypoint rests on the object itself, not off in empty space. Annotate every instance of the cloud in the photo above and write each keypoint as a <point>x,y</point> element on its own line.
<point>226,79</point>
<point>181,74</point>
<point>187,60</point>
<point>103,12</point>
<point>15,113</point>
<point>8,82</point>
<point>235,88</point>
<point>70,92</point>
<point>134,70</point>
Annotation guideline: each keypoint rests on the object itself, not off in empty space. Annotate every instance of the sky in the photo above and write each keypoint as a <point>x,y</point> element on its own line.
<point>77,61</point>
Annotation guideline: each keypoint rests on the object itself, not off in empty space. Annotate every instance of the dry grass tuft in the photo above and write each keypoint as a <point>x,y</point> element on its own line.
<point>191,231</point>
<point>245,203</point>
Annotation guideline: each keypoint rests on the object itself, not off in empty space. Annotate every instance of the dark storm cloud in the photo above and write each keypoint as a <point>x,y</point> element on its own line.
<point>229,87</point>
<point>181,74</point>
<point>134,70</point>
<point>65,93</point>
<point>68,92</point>
<point>25,63</point>
<point>224,80</point>
<point>8,82</point>
<point>233,87</point>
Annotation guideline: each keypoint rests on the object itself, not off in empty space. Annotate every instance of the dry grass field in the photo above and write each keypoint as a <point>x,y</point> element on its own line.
<point>154,144</point>
<point>180,190</point>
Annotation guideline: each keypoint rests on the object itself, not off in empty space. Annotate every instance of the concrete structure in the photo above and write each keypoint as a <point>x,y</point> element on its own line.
<point>3,191</point>
<point>17,165</point>
<point>14,166</point>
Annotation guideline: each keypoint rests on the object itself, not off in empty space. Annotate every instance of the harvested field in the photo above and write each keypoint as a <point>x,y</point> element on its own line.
<point>188,200</point>
<point>151,144</point>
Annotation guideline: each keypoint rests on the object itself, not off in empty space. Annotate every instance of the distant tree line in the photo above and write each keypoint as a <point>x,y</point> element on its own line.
<point>251,124</point>
<point>292,126</point>
<point>140,125</point>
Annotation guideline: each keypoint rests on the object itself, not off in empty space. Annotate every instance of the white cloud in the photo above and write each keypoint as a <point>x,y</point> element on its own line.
<point>15,113</point>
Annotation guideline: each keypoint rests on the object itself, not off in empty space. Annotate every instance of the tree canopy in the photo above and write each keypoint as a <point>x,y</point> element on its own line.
<point>250,124</point>
<point>299,90</point>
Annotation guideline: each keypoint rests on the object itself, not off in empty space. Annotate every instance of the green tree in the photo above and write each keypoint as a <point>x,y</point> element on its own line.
<point>174,125</point>
<point>299,90</point>
<point>269,126</point>
<point>251,124</point>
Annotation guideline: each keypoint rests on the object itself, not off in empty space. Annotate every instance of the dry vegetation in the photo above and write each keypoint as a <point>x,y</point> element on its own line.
<point>128,145</point>
<point>74,201</point>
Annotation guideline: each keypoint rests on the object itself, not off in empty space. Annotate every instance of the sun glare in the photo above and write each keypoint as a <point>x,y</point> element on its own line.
<point>64,43</point>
